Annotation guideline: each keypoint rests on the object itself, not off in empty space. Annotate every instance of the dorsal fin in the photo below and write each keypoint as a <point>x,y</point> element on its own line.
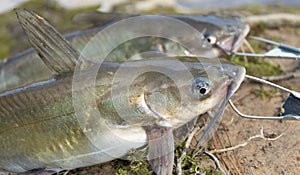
<point>97,18</point>
<point>54,50</point>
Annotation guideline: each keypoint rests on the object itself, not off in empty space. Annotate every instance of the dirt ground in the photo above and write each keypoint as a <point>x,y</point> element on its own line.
<point>281,156</point>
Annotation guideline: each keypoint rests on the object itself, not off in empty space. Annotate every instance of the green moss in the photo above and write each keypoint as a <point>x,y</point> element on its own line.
<point>264,94</point>
<point>258,29</point>
<point>193,165</point>
<point>6,36</point>
<point>132,167</point>
<point>9,43</point>
<point>258,67</point>
<point>134,164</point>
<point>212,171</point>
<point>161,10</point>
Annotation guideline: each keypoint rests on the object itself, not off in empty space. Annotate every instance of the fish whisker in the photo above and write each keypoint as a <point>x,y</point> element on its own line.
<point>289,116</point>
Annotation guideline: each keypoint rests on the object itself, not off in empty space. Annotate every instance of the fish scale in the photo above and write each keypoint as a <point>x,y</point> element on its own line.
<point>63,123</point>
<point>35,99</point>
<point>49,141</point>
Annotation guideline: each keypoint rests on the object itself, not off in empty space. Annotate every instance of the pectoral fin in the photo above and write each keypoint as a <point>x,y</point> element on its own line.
<point>40,172</point>
<point>54,50</point>
<point>161,149</point>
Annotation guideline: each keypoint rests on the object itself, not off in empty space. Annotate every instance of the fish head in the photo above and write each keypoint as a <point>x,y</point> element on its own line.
<point>231,35</point>
<point>223,32</point>
<point>189,90</point>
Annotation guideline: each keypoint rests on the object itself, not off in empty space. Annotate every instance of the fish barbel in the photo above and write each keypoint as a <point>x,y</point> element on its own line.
<point>52,125</point>
<point>26,68</point>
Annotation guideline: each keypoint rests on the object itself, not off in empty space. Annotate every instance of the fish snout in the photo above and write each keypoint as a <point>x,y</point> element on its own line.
<point>233,42</point>
<point>236,76</point>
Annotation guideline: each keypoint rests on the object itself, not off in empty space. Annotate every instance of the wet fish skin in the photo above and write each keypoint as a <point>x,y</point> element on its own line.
<point>39,128</point>
<point>26,67</point>
<point>47,133</point>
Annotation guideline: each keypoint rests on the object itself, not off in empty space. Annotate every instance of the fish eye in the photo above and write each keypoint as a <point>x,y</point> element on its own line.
<point>201,87</point>
<point>211,39</point>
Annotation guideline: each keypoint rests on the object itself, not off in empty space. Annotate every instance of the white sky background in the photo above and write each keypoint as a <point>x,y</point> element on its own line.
<point>6,5</point>
<point>214,4</point>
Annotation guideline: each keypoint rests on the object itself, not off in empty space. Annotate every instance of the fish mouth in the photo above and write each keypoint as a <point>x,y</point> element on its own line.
<point>234,42</point>
<point>234,76</point>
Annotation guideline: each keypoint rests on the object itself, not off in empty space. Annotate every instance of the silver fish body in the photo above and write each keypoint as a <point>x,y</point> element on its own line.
<point>40,129</point>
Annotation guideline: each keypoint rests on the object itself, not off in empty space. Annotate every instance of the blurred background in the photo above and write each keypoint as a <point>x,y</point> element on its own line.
<point>61,12</point>
<point>259,157</point>
<point>7,5</point>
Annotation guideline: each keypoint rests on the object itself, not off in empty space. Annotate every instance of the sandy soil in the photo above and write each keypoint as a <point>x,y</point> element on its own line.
<point>281,156</point>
